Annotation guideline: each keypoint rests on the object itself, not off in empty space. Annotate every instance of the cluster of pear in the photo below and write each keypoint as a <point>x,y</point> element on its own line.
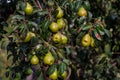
<point>28,11</point>
<point>87,40</point>
<point>54,27</point>
<point>48,59</point>
<point>57,38</point>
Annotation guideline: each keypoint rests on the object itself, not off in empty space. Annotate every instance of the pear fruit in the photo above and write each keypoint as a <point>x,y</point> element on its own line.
<point>64,75</point>
<point>28,9</point>
<point>92,42</point>
<point>34,60</point>
<point>82,12</point>
<point>48,59</point>
<point>29,35</point>
<point>54,75</point>
<point>86,40</point>
<point>61,23</point>
<point>60,12</point>
<point>56,38</point>
<point>54,27</point>
<point>64,39</point>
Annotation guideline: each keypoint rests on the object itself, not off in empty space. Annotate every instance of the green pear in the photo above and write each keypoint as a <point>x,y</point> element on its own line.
<point>54,75</point>
<point>86,40</point>
<point>48,59</point>
<point>28,9</point>
<point>60,12</point>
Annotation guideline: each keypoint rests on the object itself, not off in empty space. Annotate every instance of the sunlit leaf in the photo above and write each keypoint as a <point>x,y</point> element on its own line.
<point>40,12</point>
<point>19,17</point>
<point>97,35</point>
<point>51,69</point>
<point>68,50</point>
<point>107,32</point>
<point>62,68</point>
<point>86,27</point>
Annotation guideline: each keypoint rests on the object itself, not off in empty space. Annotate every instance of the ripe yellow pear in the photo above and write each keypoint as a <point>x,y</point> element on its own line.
<point>64,75</point>
<point>64,39</point>
<point>48,59</point>
<point>32,34</point>
<point>60,12</point>
<point>28,9</point>
<point>29,35</point>
<point>54,75</point>
<point>27,38</point>
<point>54,27</point>
<point>56,38</point>
<point>82,12</point>
<point>86,40</point>
<point>50,3</point>
<point>34,60</point>
<point>92,42</point>
<point>61,23</point>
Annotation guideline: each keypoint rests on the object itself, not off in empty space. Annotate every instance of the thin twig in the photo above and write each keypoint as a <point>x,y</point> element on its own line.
<point>38,4</point>
<point>49,13</point>
<point>69,73</point>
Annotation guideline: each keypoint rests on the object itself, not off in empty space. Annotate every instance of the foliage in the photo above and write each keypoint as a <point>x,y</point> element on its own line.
<point>99,62</point>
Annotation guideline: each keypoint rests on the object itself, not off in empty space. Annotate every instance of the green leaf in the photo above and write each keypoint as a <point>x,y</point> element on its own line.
<point>87,5</point>
<point>68,50</point>
<point>77,5</point>
<point>9,30</point>
<point>51,69</point>
<point>89,16</point>
<point>60,55</point>
<point>18,17</point>
<point>62,68</point>
<point>21,12</point>
<point>66,61</point>
<point>44,29</point>
<point>40,12</point>
<point>46,25</point>
<point>107,48</point>
<point>21,5</point>
<point>54,54</point>
<point>63,2</point>
<point>41,77</point>
<point>102,60</point>
<point>115,48</point>
<point>71,6</point>
<point>33,23</point>
<point>86,27</point>
<point>107,32</point>
<point>81,20</point>
<point>100,30</point>
<point>97,35</point>
<point>22,27</point>
<point>16,27</point>
<point>4,44</point>
<point>34,41</point>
